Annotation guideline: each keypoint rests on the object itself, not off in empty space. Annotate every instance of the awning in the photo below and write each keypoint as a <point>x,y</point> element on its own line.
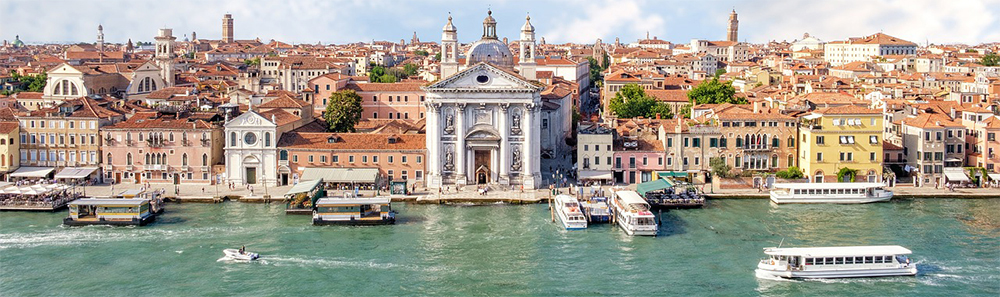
<point>653,185</point>
<point>956,177</point>
<point>32,172</point>
<point>75,172</point>
<point>304,187</point>
<point>666,174</point>
<point>594,174</point>
<point>994,176</point>
<point>342,175</point>
<point>812,116</point>
<point>953,160</point>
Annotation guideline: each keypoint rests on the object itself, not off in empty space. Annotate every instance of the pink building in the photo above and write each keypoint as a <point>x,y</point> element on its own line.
<point>160,148</point>
<point>637,158</point>
<point>401,100</point>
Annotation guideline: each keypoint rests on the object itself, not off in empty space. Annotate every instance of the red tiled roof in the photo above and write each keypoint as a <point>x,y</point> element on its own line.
<point>351,141</point>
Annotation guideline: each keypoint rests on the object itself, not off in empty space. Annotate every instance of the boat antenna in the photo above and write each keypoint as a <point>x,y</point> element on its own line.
<point>782,241</point>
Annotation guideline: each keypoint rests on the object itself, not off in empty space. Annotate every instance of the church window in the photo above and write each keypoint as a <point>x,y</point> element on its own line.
<point>267,139</point>
<point>374,115</point>
<point>482,79</point>
<point>204,159</point>
<point>250,138</point>
<point>232,138</point>
<point>283,155</point>
<point>184,160</point>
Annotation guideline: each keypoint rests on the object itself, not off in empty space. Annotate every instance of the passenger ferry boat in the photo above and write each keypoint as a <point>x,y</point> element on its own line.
<point>596,210</point>
<point>632,214</point>
<point>829,193</point>
<point>353,211</point>
<point>115,212</point>
<point>835,262</point>
<point>569,213</point>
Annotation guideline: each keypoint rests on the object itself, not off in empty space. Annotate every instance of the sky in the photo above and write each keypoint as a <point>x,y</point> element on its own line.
<point>558,21</point>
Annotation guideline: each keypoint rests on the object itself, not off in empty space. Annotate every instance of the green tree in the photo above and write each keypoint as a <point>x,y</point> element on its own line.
<point>846,175</point>
<point>421,53</point>
<point>343,111</point>
<point>714,92</point>
<point>685,111</point>
<point>376,73</point>
<point>411,69</point>
<point>719,72</point>
<point>790,173</point>
<point>252,62</point>
<point>719,167</point>
<point>990,60</point>
<point>388,78</point>
<point>37,83</point>
<point>632,101</point>
<point>437,57</point>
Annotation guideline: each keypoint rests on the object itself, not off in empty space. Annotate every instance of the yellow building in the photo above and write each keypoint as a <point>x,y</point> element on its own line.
<point>841,137</point>
<point>9,160</point>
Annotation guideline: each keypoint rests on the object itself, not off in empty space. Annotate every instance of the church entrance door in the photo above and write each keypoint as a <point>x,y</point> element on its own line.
<point>482,165</point>
<point>251,176</point>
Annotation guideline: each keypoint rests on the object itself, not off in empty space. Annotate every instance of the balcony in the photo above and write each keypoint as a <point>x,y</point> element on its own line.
<point>129,167</point>
<point>155,167</point>
<point>206,142</point>
<point>204,168</point>
<point>185,168</point>
<point>756,148</point>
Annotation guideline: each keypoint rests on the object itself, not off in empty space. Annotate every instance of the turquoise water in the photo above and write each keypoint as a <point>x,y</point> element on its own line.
<point>496,250</point>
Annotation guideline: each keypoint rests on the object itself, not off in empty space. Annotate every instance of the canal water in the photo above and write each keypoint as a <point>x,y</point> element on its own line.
<point>496,250</point>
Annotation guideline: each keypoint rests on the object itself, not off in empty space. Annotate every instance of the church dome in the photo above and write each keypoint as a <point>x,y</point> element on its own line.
<point>17,41</point>
<point>490,51</point>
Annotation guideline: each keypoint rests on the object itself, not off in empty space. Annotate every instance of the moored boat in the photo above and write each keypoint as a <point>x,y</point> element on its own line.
<point>569,213</point>
<point>353,211</point>
<point>115,212</point>
<point>835,262</point>
<point>632,214</point>
<point>596,210</point>
<point>846,193</point>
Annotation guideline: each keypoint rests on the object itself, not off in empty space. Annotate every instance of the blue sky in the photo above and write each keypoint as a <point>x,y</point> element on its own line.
<point>311,21</point>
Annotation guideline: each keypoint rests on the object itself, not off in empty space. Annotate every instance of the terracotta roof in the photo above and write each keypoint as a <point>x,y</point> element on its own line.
<point>8,127</point>
<point>848,109</point>
<point>166,93</point>
<point>352,141</point>
<point>931,120</point>
<point>154,120</point>
<point>284,101</point>
<point>385,87</point>
<point>669,95</point>
<point>281,117</point>
<point>889,146</point>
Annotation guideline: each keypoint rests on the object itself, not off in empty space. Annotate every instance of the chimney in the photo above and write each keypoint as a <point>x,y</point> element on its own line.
<point>953,113</point>
<point>756,108</point>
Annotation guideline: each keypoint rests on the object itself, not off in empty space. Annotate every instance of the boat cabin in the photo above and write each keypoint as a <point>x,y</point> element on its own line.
<point>93,211</point>
<point>353,211</point>
<point>829,262</point>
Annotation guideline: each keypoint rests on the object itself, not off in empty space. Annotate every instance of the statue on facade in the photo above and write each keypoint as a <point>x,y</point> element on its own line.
<point>449,161</point>
<point>516,160</point>
<point>449,123</point>
<point>515,126</point>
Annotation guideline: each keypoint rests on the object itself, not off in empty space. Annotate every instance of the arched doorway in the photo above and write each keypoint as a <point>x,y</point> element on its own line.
<point>250,164</point>
<point>482,175</point>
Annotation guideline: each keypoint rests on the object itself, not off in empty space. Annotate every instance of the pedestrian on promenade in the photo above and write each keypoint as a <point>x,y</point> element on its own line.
<point>203,190</point>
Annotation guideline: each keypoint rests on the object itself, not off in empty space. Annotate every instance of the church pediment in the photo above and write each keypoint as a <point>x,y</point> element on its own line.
<point>484,77</point>
<point>482,133</point>
<point>250,119</point>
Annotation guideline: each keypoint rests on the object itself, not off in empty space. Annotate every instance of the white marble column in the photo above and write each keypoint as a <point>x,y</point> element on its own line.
<point>527,175</point>
<point>460,149</point>
<point>433,145</point>
<point>504,128</point>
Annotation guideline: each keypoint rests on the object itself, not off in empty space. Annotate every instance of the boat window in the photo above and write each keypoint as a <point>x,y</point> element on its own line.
<point>868,260</point>
<point>783,258</point>
<point>829,261</point>
<point>839,260</point>
<point>849,260</point>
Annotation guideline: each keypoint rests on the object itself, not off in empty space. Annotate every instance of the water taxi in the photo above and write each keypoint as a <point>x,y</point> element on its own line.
<point>829,193</point>
<point>569,213</point>
<point>353,211</point>
<point>115,212</point>
<point>239,255</point>
<point>596,209</point>
<point>632,214</point>
<point>835,262</point>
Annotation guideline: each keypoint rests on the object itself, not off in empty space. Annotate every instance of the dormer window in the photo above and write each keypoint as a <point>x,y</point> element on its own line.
<point>331,139</point>
<point>393,139</point>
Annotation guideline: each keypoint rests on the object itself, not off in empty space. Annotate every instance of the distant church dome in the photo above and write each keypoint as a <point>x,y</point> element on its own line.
<point>17,41</point>
<point>489,49</point>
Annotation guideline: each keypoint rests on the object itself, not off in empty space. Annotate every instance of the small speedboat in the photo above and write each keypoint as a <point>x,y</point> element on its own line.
<point>235,254</point>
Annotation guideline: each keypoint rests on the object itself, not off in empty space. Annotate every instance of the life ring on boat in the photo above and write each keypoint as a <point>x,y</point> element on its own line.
<point>772,262</point>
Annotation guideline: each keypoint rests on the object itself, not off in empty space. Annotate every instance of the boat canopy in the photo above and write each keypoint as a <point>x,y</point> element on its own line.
<point>595,175</point>
<point>322,202</point>
<point>304,187</point>
<point>666,174</point>
<point>110,202</point>
<point>341,175</point>
<point>653,185</point>
<point>31,172</point>
<point>630,197</point>
<point>839,251</point>
<point>827,185</point>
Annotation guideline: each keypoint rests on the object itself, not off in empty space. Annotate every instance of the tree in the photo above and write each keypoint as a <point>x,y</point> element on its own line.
<point>30,83</point>
<point>411,69</point>
<point>252,62</point>
<point>632,101</point>
<point>714,92</point>
<point>719,72</point>
<point>437,57</point>
<point>790,173</point>
<point>846,175</point>
<point>343,111</point>
<point>685,111</point>
<point>990,60</point>
<point>719,167</point>
<point>421,53</point>
<point>388,78</point>
<point>376,73</point>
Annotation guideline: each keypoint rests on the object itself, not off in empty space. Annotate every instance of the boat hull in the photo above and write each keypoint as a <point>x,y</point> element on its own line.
<point>772,274</point>
<point>389,221</point>
<point>234,254</point>
<point>834,200</point>
<point>135,222</point>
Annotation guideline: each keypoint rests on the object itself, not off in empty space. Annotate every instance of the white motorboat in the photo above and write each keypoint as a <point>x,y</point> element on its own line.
<point>235,254</point>
<point>632,214</point>
<point>835,262</point>
<point>844,193</point>
<point>569,213</point>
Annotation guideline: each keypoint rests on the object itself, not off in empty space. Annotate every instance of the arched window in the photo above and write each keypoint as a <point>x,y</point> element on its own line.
<point>109,159</point>
<point>73,88</point>
<point>267,139</point>
<point>283,155</point>
<point>204,160</point>
<point>184,159</point>
<point>791,142</point>
<point>128,159</point>
<point>140,136</point>
<point>774,160</point>
<point>3,141</point>
<point>171,136</point>
<point>3,161</point>
<point>65,88</point>
<point>154,85</point>
<point>56,89</point>
<point>232,139</point>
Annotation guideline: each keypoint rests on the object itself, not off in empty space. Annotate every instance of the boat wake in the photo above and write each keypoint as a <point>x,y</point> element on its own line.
<point>102,234</point>
<point>340,263</point>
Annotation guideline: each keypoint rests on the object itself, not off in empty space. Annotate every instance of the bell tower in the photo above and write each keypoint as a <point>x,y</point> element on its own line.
<point>165,55</point>
<point>734,26</point>
<point>449,49</point>
<point>527,50</point>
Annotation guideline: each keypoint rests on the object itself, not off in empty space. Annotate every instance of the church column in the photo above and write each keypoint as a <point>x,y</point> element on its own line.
<point>504,129</point>
<point>460,149</point>
<point>433,145</point>
<point>527,147</point>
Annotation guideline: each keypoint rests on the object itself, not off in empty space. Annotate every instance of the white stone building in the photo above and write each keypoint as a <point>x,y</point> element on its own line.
<point>864,48</point>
